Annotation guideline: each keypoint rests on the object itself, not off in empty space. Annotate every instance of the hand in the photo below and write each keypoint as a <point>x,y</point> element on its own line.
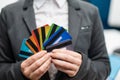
<point>66,61</point>
<point>36,66</point>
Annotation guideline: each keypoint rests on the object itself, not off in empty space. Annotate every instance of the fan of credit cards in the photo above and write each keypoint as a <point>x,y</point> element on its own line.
<point>45,38</point>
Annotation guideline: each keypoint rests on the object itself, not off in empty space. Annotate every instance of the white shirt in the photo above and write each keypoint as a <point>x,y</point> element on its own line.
<point>51,11</point>
<point>48,12</point>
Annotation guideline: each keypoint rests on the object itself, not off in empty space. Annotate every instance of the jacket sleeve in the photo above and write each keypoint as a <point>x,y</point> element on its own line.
<point>9,67</point>
<point>95,65</point>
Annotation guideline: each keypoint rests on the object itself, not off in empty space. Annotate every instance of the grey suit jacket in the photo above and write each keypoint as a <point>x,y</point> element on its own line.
<point>16,22</point>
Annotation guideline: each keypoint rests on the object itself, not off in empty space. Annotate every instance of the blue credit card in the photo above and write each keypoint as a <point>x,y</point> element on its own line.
<point>63,37</point>
<point>60,35</point>
<point>25,52</point>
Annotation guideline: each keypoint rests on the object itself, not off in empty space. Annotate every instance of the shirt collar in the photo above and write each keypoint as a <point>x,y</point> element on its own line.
<point>39,3</point>
<point>60,3</point>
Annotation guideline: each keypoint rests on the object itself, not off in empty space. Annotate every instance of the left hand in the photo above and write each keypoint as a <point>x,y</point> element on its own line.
<point>67,61</point>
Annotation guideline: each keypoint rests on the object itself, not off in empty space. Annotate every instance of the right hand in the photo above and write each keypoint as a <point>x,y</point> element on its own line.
<point>36,66</point>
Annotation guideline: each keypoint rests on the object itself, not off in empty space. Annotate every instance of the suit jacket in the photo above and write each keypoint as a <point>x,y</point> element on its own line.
<point>18,20</point>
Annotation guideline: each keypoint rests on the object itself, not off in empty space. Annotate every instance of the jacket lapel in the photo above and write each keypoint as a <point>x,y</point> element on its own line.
<point>74,20</point>
<point>28,15</point>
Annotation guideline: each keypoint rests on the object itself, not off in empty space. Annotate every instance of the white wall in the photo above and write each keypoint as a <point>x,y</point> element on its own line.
<point>3,3</point>
<point>114,15</point>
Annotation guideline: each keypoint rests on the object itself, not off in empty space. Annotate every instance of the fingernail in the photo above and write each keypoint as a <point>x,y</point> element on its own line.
<point>43,51</point>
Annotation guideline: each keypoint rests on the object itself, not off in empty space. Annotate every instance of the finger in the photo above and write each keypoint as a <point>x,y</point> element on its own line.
<point>41,70</point>
<point>33,58</point>
<point>69,52</point>
<point>37,64</point>
<point>64,65</point>
<point>70,73</point>
<point>67,58</point>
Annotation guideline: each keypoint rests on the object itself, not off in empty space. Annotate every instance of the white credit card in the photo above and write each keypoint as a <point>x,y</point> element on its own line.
<point>114,14</point>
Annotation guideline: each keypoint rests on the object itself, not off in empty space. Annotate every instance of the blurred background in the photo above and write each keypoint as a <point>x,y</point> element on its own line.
<point>110,16</point>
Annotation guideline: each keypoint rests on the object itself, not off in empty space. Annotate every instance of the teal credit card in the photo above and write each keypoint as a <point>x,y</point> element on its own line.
<point>25,52</point>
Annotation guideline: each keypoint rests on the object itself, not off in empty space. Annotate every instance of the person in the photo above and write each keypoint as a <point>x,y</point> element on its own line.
<point>87,61</point>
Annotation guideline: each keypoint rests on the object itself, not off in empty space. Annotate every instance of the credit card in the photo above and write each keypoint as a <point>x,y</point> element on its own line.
<point>32,44</point>
<point>35,34</point>
<point>64,36</point>
<point>25,52</point>
<point>52,30</point>
<point>47,28</point>
<point>54,37</point>
<point>59,45</point>
<point>43,31</point>
<point>40,34</point>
